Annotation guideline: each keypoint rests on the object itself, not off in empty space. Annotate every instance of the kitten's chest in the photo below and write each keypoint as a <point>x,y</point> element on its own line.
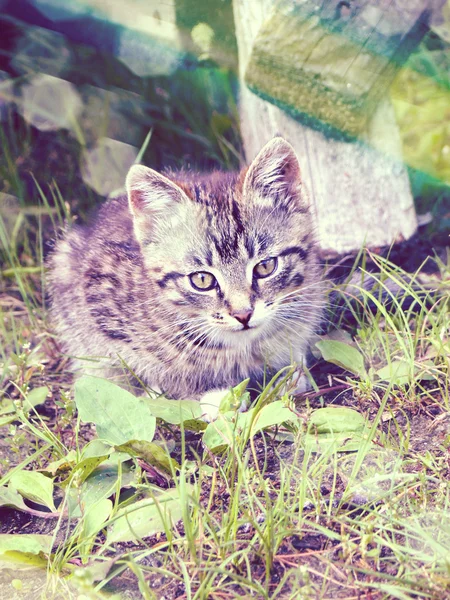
<point>254,360</point>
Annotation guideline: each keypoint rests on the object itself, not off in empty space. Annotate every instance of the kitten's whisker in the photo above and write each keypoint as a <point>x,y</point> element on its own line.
<point>185,337</point>
<point>300,298</point>
<point>181,334</point>
<point>300,301</point>
<point>295,332</point>
<point>298,308</point>
<point>199,331</point>
<point>304,316</point>
<point>301,289</point>
<point>180,323</point>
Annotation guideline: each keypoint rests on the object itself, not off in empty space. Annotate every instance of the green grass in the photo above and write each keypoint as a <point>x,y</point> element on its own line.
<point>270,517</point>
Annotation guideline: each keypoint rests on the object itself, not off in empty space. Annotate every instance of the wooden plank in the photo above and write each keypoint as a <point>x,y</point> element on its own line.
<point>360,190</point>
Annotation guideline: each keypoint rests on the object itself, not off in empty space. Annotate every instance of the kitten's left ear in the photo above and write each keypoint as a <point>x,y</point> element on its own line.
<point>274,176</point>
<point>152,197</point>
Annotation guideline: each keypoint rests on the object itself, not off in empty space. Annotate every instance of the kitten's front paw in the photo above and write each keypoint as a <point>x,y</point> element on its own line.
<point>210,403</point>
<point>301,382</point>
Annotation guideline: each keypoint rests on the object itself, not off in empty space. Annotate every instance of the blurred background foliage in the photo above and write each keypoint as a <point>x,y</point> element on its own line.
<point>421,99</point>
<point>83,84</point>
<point>87,86</point>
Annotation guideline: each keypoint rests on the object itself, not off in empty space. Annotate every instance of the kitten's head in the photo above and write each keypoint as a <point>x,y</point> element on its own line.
<point>233,252</point>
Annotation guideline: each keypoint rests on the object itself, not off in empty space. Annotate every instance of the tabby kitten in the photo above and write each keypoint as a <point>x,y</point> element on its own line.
<point>195,282</point>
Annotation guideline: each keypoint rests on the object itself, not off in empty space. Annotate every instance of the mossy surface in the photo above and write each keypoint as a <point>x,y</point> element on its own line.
<point>323,72</point>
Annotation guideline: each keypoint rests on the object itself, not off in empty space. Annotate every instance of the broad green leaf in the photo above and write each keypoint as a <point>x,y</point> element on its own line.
<point>333,419</point>
<point>146,517</point>
<point>226,430</point>
<point>219,433</point>
<point>342,441</point>
<point>62,465</point>
<point>93,455</point>
<point>174,412</point>
<point>343,355</point>
<point>27,543</point>
<point>24,550</point>
<point>102,483</point>
<point>96,448</point>
<point>34,398</point>
<point>152,454</point>
<point>7,407</point>
<point>282,435</point>
<point>34,486</point>
<point>106,476</point>
<point>397,373</point>
<point>232,427</point>
<point>7,419</point>
<point>118,415</point>
<point>403,372</point>
<point>87,466</point>
<point>338,335</point>
<point>196,425</point>
<point>11,497</point>
<point>117,457</point>
<point>336,427</point>
<point>96,516</point>
<point>235,397</point>
<point>97,570</point>
<point>272,414</point>
<point>24,560</point>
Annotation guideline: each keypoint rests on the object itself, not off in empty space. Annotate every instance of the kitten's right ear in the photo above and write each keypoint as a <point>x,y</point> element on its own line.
<point>151,196</point>
<point>274,176</point>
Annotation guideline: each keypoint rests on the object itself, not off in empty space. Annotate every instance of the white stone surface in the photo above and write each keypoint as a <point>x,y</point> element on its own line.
<point>360,191</point>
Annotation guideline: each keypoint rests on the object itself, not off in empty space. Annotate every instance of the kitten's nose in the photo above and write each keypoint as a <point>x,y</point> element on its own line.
<point>243,316</point>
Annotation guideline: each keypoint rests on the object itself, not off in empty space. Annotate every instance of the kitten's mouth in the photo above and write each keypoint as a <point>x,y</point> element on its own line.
<point>247,328</point>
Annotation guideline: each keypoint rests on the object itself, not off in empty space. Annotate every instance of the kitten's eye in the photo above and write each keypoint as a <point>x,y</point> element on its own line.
<point>202,281</point>
<point>265,268</point>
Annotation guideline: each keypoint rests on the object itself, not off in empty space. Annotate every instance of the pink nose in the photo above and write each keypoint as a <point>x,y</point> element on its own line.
<point>243,316</point>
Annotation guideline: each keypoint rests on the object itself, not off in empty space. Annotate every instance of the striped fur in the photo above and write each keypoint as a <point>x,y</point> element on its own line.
<point>120,287</point>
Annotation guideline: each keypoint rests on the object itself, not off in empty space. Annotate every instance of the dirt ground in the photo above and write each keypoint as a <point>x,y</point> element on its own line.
<point>429,424</point>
